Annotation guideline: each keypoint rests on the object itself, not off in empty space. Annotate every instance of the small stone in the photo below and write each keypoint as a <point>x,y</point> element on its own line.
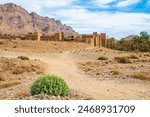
<point>106,76</point>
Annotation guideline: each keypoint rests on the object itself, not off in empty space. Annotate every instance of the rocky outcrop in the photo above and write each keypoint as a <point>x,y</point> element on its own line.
<point>15,19</point>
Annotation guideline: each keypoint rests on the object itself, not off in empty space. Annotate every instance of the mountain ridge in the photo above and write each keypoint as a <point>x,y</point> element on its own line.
<point>16,19</point>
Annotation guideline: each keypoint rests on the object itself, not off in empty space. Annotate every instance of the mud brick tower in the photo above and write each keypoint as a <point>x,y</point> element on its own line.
<point>61,36</point>
<point>38,35</point>
<point>98,39</point>
<point>103,39</point>
<point>93,40</point>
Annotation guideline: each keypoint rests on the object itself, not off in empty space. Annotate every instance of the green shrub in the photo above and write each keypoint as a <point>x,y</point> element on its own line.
<point>51,85</point>
<point>139,43</point>
<point>123,59</point>
<point>102,58</point>
<point>23,57</point>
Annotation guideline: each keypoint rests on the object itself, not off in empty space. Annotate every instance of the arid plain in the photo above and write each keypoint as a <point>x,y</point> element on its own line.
<point>91,72</point>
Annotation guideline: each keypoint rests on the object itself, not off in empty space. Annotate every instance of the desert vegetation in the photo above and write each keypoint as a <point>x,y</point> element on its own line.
<point>124,59</point>
<point>15,72</point>
<point>9,83</point>
<point>137,43</point>
<point>23,57</point>
<point>19,65</point>
<point>142,75</point>
<point>102,58</point>
<point>91,68</point>
<point>51,85</point>
<point>103,73</point>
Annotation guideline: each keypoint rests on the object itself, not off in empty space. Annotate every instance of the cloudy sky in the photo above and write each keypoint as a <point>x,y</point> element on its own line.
<point>118,18</point>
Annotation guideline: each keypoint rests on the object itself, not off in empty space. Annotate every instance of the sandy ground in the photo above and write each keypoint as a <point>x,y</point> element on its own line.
<point>104,86</point>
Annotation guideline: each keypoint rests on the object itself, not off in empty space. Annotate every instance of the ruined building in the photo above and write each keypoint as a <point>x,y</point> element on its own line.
<point>43,37</point>
<point>95,39</point>
<point>33,36</point>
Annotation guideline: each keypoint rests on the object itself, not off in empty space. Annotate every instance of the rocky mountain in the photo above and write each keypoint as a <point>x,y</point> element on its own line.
<point>15,19</point>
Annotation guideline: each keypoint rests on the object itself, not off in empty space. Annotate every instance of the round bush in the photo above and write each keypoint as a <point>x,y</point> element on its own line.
<point>51,85</point>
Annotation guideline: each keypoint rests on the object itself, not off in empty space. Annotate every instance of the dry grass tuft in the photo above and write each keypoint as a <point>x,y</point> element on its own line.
<point>147,55</point>
<point>21,65</point>
<point>9,83</point>
<point>23,57</point>
<point>115,72</point>
<point>91,68</point>
<point>134,56</point>
<point>142,75</point>
<point>124,59</point>
<point>102,58</point>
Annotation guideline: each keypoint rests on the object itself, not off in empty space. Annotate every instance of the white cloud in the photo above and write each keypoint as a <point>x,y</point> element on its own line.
<point>38,5</point>
<point>125,3</point>
<point>103,3</point>
<point>117,24</point>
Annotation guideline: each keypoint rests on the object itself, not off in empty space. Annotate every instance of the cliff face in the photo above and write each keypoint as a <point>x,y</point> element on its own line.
<point>15,19</point>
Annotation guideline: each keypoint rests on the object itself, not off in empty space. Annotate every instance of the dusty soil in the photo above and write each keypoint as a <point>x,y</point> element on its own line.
<point>38,47</point>
<point>90,77</point>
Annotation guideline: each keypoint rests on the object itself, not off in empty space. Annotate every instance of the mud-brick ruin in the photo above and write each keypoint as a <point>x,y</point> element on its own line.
<point>94,39</point>
<point>45,37</point>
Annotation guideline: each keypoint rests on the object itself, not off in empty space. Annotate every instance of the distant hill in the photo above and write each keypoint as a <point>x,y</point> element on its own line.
<point>15,19</point>
<point>130,37</point>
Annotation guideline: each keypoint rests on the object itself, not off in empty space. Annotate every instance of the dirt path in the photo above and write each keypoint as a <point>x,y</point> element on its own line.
<point>65,65</point>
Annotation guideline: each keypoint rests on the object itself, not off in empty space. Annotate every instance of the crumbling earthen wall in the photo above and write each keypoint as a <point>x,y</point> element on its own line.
<point>7,36</point>
<point>53,37</point>
<point>98,39</point>
<point>33,36</point>
<point>70,38</point>
<point>47,37</point>
<point>87,38</point>
<point>95,39</point>
<point>103,39</point>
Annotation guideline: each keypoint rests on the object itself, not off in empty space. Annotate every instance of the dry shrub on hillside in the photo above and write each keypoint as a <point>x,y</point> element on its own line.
<point>91,68</point>
<point>124,59</point>
<point>23,57</point>
<point>115,72</point>
<point>19,66</point>
<point>102,58</point>
<point>142,75</point>
<point>134,56</point>
<point>147,55</point>
<point>11,70</point>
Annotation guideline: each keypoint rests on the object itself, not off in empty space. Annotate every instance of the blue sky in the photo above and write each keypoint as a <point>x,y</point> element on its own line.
<point>118,18</point>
